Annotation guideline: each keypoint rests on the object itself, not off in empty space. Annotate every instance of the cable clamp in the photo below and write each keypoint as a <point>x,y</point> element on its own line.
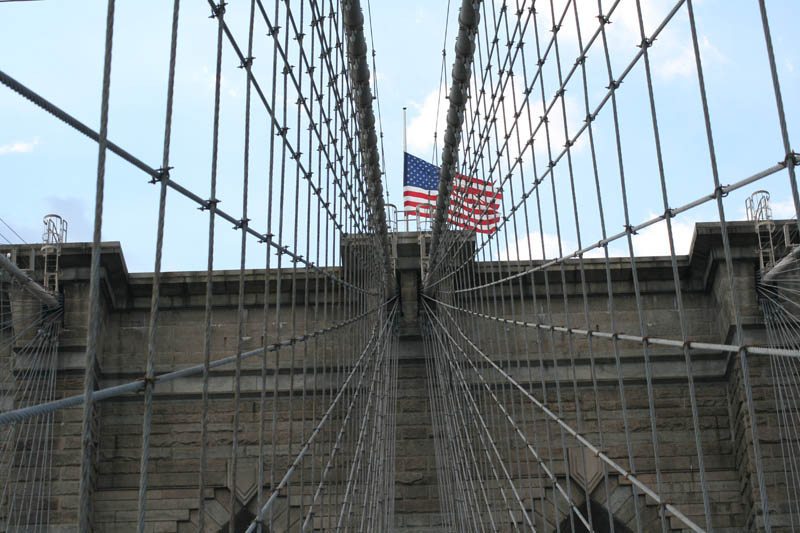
<point>161,174</point>
<point>603,19</point>
<point>556,27</point>
<point>668,213</point>
<point>208,204</point>
<point>581,59</point>
<point>686,344</point>
<point>148,380</point>
<point>792,159</point>
<point>266,237</point>
<point>247,63</point>
<point>720,192</point>
<point>613,85</point>
<point>239,224</point>
<point>646,43</point>
<point>629,229</point>
<point>218,10</point>
<point>273,32</point>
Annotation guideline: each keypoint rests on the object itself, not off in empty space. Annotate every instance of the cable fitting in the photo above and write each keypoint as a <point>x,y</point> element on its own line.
<point>162,174</point>
<point>208,204</point>
<point>218,10</point>
<point>148,380</point>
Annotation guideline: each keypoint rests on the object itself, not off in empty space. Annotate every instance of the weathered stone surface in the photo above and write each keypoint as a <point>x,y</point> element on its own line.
<point>535,358</point>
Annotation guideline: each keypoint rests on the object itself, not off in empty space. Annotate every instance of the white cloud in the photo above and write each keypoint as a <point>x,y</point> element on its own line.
<point>784,209</point>
<point>678,66</point>
<point>651,241</point>
<point>19,147</point>
<point>422,125</point>
<point>654,240</point>
<point>622,32</point>
<point>530,247</point>
<point>681,62</point>
<point>671,56</point>
<point>209,79</point>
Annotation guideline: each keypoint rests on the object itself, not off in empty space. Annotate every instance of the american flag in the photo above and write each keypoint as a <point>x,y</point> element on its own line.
<point>474,203</point>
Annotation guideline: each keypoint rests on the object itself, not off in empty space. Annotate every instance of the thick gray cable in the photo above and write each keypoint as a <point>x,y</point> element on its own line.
<point>93,325</point>
<point>468,20</point>
<point>156,294</point>
<point>353,20</point>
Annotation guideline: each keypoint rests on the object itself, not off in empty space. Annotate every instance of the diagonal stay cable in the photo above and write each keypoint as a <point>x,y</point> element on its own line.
<point>552,476</point>
<point>577,436</point>
<point>691,345</point>
<point>134,386</point>
<point>299,458</point>
<point>158,174</point>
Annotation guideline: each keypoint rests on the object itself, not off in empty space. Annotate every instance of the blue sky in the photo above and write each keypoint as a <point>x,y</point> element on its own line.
<point>55,48</point>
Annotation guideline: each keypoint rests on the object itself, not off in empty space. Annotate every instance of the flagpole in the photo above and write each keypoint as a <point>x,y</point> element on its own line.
<point>404,161</point>
<point>404,131</point>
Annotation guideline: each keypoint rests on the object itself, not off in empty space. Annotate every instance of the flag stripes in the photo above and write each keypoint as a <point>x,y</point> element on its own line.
<point>474,203</point>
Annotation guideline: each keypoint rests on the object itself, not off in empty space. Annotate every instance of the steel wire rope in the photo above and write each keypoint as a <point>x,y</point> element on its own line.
<point>557,486</point>
<point>217,12</point>
<point>12,231</point>
<point>733,293</point>
<point>267,239</point>
<point>507,475</point>
<point>93,326</point>
<point>590,118</point>
<point>240,318</point>
<point>303,450</point>
<point>156,291</point>
<point>582,440</point>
